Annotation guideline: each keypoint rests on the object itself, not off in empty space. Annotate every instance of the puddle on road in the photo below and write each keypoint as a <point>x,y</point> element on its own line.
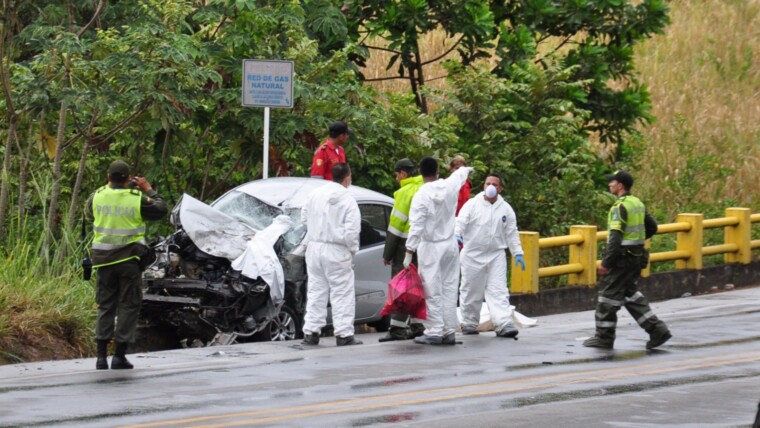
<point>390,382</point>
<point>218,354</point>
<point>289,394</point>
<point>385,419</point>
<point>715,344</point>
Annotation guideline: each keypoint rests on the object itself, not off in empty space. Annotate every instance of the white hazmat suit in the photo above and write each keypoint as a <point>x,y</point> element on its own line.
<point>431,234</point>
<point>487,230</point>
<point>333,222</point>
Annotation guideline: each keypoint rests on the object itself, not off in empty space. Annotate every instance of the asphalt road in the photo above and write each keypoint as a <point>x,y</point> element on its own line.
<point>708,375</point>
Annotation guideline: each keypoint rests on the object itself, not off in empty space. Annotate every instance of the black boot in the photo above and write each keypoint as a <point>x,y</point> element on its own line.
<point>119,360</point>
<point>102,361</point>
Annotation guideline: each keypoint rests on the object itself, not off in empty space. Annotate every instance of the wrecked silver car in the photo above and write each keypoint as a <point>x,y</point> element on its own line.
<point>235,270</point>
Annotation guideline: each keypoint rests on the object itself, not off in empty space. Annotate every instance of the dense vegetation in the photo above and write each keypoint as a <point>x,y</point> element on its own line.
<point>545,94</point>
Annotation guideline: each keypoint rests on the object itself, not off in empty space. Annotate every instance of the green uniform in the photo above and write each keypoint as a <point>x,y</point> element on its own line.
<point>628,224</point>
<point>119,216</point>
<point>395,245</point>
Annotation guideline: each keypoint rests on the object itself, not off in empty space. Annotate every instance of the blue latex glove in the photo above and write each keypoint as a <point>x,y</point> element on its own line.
<point>520,261</point>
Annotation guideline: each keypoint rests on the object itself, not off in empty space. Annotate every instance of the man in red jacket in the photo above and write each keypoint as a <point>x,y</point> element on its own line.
<point>464,192</point>
<point>330,152</point>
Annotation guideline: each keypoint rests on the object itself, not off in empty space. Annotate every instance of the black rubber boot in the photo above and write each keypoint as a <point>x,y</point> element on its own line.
<point>347,341</point>
<point>311,339</point>
<point>598,342</point>
<point>102,361</point>
<point>658,336</point>
<point>397,333</point>
<point>119,360</point>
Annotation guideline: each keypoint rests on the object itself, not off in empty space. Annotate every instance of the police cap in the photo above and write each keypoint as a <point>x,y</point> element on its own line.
<point>622,177</point>
<point>119,170</point>
<point>405,164</point>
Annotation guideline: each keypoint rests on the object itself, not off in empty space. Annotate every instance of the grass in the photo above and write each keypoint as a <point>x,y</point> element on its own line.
<point>47,309</point>
<point>704,79</point>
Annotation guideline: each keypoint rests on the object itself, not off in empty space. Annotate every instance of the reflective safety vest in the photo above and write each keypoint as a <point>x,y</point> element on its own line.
<point>118,221</point>
<point>399,222</point>
<point>632,227</point>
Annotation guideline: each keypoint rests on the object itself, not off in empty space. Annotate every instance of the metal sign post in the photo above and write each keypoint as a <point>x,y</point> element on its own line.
<point>267,84</point>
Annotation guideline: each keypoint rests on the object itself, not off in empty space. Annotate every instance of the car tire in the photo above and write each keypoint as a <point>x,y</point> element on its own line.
<point>286,325</point>
<point>382,325</point>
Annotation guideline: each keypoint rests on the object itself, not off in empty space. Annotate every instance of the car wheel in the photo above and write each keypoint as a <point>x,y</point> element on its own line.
<point>285,326</point>
<point>381,325</point>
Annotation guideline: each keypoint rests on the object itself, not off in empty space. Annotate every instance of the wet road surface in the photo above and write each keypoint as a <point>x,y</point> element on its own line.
<point>707,375</point>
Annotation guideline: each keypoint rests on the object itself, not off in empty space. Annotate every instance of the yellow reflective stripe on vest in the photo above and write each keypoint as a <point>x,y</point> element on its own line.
<point>118,221</point>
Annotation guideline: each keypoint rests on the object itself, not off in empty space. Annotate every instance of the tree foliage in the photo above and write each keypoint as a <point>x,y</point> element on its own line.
<point>158,83</point>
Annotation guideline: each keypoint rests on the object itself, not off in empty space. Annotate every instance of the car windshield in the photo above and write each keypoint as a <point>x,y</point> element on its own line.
<point>258,215</point>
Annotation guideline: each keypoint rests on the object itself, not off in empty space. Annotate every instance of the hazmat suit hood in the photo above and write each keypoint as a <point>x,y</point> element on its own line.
<point>432,214</point>
<point>332,201</point>
<point>335,192</point>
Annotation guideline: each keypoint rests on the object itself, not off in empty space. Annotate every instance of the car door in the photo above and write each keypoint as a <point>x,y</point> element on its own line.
<point>372,276</point>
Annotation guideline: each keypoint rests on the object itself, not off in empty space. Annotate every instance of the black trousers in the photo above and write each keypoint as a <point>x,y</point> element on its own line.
<point>119,296</point>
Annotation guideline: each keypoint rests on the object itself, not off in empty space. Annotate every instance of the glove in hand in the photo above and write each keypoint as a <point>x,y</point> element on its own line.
<point>520,261</point>
<point>407,259</point>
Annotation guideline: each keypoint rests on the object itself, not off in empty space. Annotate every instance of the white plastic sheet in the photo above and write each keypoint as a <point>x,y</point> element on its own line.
<point>518,319</point>
<point>260,260</point>
<point>212,231</point>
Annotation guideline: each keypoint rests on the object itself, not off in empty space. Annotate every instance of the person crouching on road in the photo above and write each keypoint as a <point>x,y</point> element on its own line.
<point>487,226</point>
<point>333,223</point>
<point>119,211</point>
<point>431,234</point>
<point>403,327</point>
<point>629,225</point>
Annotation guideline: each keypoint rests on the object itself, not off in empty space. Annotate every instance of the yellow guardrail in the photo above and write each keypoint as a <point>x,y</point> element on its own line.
<point>688,254</point>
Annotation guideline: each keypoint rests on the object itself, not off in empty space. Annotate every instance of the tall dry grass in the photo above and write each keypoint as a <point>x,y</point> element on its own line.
<point>704,79</point>
<point>432,46</point>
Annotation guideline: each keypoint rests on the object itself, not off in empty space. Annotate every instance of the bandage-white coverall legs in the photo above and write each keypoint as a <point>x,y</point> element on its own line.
<point>330,272</point>
<point>439,271</point>
<point>489,280</point>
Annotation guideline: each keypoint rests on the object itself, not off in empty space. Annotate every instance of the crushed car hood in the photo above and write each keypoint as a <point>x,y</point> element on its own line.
<point>251,252</point>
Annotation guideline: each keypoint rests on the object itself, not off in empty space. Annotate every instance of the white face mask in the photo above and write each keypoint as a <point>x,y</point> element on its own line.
<point>491,191</point>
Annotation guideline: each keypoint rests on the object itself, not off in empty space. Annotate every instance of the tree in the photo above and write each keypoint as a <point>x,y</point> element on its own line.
<point>597,38</point>
<point>402,23</point>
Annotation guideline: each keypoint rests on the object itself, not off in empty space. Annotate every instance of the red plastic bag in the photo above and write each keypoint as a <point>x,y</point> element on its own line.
<point>406,295</point>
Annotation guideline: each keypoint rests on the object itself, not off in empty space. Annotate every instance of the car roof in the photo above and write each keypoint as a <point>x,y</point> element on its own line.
<point>291,192</point>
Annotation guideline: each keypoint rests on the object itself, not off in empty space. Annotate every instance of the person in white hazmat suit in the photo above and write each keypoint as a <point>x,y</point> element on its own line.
<point>333,222</point>
<point>487,226</point>
<point>431,234</point>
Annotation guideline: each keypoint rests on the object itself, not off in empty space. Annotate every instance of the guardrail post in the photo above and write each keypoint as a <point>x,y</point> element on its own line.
<point>526,281</point>
<point>585,254</point>
<point>690,241</point>
<point>741,235</point>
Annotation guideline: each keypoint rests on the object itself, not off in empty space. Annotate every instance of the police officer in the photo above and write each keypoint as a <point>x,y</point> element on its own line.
<point>331,152</point>
<point>395,243</point>
<point>119,211</point>
<point>629,225</point>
